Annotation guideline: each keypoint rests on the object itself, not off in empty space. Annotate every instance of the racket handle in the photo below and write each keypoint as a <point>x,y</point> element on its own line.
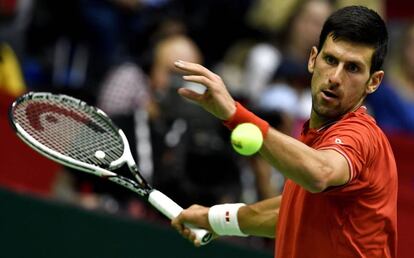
<point>171,210</point>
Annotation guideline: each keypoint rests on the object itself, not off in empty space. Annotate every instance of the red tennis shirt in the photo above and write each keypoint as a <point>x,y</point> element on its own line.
<point>358,219</point>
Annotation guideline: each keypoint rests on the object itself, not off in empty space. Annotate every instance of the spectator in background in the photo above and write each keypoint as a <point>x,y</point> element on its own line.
<point>14,18</point>
<point>288,49</point>
<point>196,141</point>
<point>393,103</point>
<point>135,85</point>
<point>72,44</point>
<point>119,29</point>
<point>288,90</point>
<point>178,147</point>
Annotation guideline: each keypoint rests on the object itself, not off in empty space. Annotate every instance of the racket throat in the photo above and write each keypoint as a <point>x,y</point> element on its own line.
<point>142,190</point>
<point>140,180</point>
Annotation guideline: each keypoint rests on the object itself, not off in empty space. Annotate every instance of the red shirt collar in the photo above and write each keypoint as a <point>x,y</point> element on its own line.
<point>306,130</point>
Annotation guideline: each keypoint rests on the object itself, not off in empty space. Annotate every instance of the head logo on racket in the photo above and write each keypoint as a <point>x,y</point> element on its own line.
<point>33,115</point>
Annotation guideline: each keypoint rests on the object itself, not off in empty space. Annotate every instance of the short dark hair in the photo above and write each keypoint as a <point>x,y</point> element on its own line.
<point>360,25</point>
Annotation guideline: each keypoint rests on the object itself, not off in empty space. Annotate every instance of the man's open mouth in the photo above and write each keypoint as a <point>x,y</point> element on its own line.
<point>329,94</point>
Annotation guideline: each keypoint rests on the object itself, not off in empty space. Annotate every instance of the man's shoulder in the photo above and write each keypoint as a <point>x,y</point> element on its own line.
<point>358,126</point>
<point>358,120</point>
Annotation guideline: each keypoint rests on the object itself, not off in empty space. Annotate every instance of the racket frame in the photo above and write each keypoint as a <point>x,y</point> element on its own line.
<point>143,189</point>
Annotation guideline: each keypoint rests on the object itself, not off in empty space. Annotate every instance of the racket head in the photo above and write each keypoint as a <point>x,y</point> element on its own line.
<point>69,131</point>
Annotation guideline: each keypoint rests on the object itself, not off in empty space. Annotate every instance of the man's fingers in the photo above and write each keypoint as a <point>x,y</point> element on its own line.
<point>195,215</point>
<point>195,69</point>
<point>175,223</point>
<point>185,232</point>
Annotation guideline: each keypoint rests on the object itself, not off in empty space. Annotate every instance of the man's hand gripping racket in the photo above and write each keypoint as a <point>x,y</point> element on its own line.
<point>71,132</point>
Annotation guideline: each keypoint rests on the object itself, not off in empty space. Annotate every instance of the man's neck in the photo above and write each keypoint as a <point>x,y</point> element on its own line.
<point>317,121</point>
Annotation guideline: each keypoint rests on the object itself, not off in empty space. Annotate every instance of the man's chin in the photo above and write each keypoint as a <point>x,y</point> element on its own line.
<point>327,113</point>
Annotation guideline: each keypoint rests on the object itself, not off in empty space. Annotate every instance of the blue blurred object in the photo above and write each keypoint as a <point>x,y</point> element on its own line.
<point>393,112</point>
<point>34,73</point>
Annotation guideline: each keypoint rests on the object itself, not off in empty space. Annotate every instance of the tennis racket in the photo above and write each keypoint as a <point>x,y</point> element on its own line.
<point>74,134</point>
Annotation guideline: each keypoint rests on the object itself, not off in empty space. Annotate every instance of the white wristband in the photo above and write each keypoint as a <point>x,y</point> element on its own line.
<point>223,219</point>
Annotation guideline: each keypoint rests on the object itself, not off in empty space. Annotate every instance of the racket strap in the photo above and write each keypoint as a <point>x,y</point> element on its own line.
<point>242,115</point>
<point>223,219</point>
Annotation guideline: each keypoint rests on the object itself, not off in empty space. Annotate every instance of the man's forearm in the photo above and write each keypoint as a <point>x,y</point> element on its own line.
<point>260,219</point>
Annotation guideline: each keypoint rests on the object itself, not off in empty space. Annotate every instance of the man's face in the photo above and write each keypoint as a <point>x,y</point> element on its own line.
<point>340,78</point>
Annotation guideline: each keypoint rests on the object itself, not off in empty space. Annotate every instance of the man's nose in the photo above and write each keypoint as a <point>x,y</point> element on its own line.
<point>335,76</point>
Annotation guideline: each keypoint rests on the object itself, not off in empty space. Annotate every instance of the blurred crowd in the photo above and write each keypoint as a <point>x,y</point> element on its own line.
<point>119,54</point>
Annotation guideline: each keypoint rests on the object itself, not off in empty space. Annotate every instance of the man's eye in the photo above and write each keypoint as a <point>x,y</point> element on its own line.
<point>330,60</point>
<point>352,68</point>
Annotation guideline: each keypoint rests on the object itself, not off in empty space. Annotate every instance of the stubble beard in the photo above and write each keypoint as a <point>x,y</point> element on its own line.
<point>323,112</point>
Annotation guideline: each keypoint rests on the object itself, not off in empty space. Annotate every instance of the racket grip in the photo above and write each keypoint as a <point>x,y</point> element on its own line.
<point>171,210</point>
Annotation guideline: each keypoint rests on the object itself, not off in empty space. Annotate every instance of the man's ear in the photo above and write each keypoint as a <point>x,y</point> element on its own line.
<point>312,59</point>
<point>374,82</point>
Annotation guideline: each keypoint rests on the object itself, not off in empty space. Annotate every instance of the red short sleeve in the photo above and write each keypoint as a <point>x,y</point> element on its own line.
<point>354,140</point>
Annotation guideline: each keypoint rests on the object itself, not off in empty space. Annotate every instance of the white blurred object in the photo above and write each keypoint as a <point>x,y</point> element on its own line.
<point>261,63</point>
<point>196,87</point>
<point>284,98</point>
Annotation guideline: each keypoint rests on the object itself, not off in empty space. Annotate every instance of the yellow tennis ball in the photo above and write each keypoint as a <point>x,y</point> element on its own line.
<point>246,139</point>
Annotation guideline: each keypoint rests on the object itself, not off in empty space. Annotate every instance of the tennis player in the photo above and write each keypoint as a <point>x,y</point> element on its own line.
<point>340,197</point>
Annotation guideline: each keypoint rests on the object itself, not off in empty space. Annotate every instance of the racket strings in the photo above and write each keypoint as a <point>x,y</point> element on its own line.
<point>70,130</point>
